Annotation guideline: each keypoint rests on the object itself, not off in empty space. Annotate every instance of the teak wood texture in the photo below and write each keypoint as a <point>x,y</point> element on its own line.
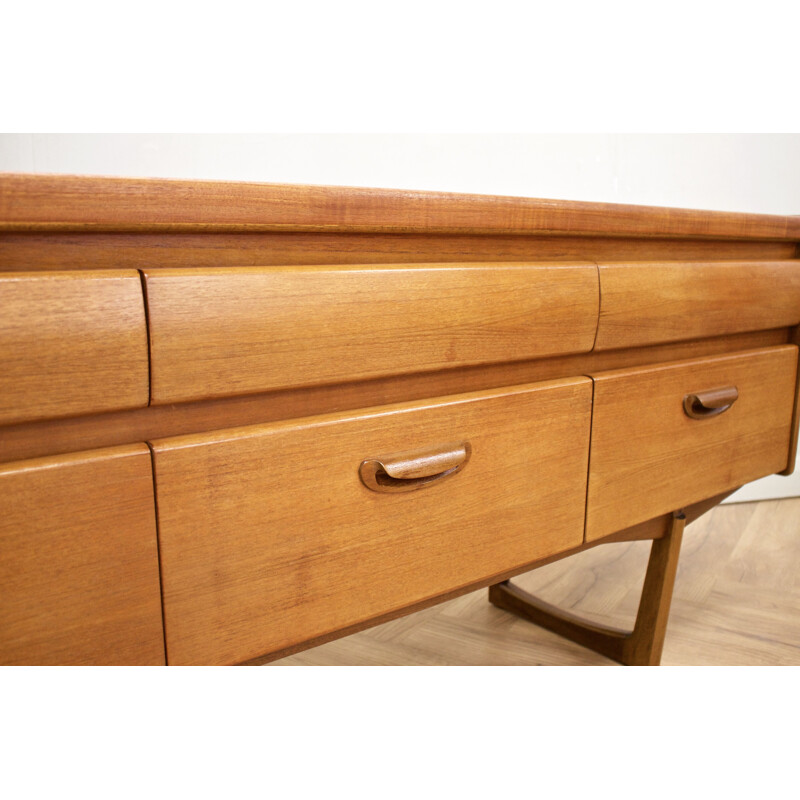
<point>71,343</point>
<point>79,561</point>
<point>216,333</point>
<point>736,602</point>
<point>640,647</point>
<point>143,250</point>
<point>654,529</point>
<point>42,202</point>
<point>653,303</point>
<point>648,456</point>
<point>268,536</point>
<point>793,436</point>
<point>348,404</point>
<point>31,440</point>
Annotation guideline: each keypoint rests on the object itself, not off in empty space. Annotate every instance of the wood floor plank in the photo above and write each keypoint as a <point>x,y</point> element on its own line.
<point>766,552</point>
<point>729,630</point>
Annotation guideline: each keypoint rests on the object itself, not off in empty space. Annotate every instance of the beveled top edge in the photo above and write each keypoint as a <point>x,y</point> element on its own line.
<point>86,203</point>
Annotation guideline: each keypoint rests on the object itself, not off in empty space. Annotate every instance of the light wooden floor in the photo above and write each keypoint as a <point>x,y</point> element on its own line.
<point>736,601</point>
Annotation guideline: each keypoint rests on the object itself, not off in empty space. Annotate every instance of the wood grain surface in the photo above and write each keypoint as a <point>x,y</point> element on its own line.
<point>736,602</point>
<point>795,434</point>
<point>269,538</point>
<point>37,202</point>
<point>71,343</point>
<point>34,439</point>
<point>43,251</point>
<point>216,333</point>
<point>651,303</point>
<point>641,646</point>
<point>652,529</point>
<point>648,457</point>
<point>79,560</point>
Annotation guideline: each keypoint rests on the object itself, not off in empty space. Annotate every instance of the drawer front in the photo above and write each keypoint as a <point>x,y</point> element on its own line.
<point>71,343</point>
<point>667,302</point>
<point>650,457</point>
<point>269,537</point>
<point>79,560</point>
<point>238,331</point>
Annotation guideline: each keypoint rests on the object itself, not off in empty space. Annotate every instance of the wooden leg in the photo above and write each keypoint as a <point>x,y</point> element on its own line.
<point>640,647</point>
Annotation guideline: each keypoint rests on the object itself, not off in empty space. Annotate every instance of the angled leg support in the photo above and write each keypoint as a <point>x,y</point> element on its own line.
<point>640,647</point>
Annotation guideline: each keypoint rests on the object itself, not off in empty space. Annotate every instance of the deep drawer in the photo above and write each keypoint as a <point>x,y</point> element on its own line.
<point>79,560</point>
<point>225,332</point>
<point>650,455</point>
<point>269,537</point>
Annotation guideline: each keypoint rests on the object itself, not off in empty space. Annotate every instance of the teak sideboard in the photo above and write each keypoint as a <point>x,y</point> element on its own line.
<point>239,420</point>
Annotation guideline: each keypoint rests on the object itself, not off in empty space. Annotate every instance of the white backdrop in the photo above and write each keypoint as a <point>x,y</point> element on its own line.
<point>727,172</point>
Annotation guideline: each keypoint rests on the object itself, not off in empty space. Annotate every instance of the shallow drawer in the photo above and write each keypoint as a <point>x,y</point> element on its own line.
<point>269,535</point>
<point>649,303</point>
<point>79,560</point>
<point>238,331</point>
<point>668,436</point>
<point>71,343</point>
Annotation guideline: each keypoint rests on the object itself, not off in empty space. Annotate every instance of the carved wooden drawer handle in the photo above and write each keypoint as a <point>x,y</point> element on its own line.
<point>708,404</point>
<point>407,471</point>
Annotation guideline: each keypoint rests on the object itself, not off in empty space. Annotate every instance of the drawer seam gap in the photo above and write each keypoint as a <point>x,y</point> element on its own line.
<point>146,303</point>
<point>158,549</point>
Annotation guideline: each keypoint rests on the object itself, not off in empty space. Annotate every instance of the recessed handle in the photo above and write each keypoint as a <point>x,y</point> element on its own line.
<point>414,469</point>
<point>702,405</point>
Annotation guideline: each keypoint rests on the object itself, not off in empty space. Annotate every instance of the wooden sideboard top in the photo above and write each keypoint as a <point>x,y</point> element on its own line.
<point>48,203</point>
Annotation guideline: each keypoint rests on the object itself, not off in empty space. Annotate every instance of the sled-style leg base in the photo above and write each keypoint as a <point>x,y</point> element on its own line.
<point>640,647</point>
